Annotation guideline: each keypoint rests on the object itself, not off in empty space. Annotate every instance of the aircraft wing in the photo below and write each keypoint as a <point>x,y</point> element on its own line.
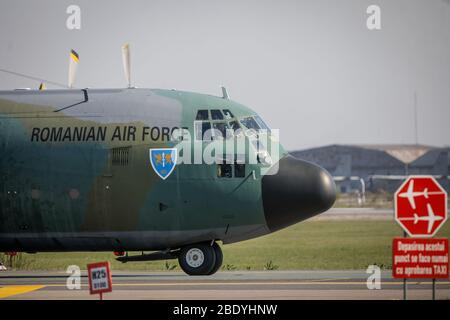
<point>431,217</point>
<point>411,201</point>
<point>410,194</point>
<point>430,225</point>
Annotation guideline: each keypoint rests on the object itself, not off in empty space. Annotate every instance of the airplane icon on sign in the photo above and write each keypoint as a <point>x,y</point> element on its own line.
<point>410,194</point>
<point>431,218</point>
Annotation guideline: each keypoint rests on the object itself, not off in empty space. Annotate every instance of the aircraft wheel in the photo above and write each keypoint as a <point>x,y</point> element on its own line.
<point>197,259</point>
<point>219,258</point>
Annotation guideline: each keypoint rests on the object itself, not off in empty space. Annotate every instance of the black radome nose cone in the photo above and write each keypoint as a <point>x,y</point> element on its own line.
<point>298,191</point>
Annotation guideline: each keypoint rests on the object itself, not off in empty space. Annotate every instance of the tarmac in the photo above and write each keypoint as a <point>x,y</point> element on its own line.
<point>230,285</point>
<point>248,285</point>
<point>356,214</point>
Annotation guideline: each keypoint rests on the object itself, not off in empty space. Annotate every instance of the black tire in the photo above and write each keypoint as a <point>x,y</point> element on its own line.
<point>197,259</point>
<point>219,258</point>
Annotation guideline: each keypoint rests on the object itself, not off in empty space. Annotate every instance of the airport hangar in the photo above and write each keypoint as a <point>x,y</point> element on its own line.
<point>379,167</point>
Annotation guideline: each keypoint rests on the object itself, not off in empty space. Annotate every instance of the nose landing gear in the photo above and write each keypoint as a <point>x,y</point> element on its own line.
<point>201,258</point>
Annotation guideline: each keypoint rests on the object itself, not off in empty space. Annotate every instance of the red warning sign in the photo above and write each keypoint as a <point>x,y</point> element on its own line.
<point>420,258</point>
<point>421,206</point>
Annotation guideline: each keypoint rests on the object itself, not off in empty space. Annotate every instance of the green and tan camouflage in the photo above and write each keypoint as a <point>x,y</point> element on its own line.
<point>76,174</point>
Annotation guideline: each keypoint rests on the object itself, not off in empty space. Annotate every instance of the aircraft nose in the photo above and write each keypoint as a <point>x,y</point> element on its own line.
<point>298,191</point>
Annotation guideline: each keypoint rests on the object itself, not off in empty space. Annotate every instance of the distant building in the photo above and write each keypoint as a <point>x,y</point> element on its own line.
<point>379,167</point>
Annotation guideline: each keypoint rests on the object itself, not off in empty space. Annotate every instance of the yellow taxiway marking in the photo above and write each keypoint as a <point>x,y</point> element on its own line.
<point>8,291</point>
<point>254,283</point>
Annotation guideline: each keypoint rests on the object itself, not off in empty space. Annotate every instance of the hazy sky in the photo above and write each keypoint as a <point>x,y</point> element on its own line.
<point>310,68</point>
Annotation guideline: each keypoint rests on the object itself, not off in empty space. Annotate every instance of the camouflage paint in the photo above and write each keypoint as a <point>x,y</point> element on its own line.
<point>71,195</point>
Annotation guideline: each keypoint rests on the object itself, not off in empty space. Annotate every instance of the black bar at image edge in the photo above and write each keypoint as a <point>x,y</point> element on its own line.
<point>233,309</point>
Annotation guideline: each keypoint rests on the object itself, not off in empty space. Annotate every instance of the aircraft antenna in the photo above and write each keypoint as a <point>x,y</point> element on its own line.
<point>33,78</point>
<point>225,93</point>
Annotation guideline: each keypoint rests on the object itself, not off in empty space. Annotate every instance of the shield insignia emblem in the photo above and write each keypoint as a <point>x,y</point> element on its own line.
<point>163,161</point>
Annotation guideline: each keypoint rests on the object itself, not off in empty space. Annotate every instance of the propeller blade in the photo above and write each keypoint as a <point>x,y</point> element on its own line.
<point>126,63</point>
<point>42,86</point>
<point>73,66</point>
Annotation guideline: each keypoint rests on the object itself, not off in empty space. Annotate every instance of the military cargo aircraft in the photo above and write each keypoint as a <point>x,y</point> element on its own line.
<point>96,170</point>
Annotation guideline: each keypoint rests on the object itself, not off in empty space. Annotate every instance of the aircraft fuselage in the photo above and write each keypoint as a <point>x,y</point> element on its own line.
<point>76,175</point>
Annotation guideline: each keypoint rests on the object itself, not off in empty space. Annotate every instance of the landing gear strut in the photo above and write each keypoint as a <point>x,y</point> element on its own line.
<point>200,259</point>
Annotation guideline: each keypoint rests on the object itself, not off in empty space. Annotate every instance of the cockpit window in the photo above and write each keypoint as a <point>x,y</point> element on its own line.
<point>220,130</point>
<point>203,131</point>
<point>216,124</point>
<point>255,123</point>
<point>250,123</point>
<point>261,123</point>
<point>207,131</point>
<point>234,125</point>
<point>202,115</point>
<point>228,114</point>
<point>216,115</point>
